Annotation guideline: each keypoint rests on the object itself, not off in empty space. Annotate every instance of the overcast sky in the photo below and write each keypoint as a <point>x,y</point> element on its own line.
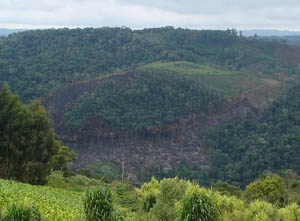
<point>196,14</point>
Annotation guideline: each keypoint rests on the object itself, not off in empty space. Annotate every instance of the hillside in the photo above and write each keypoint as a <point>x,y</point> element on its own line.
<point>49,59</point>
<point>244,149</point>
<point>144,100</point>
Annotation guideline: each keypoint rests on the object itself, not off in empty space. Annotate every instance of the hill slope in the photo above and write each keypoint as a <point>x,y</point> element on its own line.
<point>145,99</point>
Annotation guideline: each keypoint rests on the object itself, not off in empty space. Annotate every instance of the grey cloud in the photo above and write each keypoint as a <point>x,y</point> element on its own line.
<point>213,14</point>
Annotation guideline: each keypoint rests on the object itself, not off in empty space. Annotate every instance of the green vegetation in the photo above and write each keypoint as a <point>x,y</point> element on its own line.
<point>147,102</point>
<point>98,205</point>
<point>188,68</point>
<point>168,199</point>
<point>28,148</point>
<point>199,205</point>
<point>242,150</point>
<point>270,189</point>
<point>21,212</point>
<point>114,83</point>
<point>83,75</point>
<point>54,204</point>
<point>216,78</point>
<point>78,183</point>
<point>37,62</point>
<point>227,189</point>
<point>108,170</point>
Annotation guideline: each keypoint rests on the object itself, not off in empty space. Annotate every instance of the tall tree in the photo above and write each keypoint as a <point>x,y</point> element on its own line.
<point>28,147</point>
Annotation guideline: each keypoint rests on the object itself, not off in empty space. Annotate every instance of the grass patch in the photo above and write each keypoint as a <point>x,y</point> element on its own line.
<point>224,82</point>
<point>183,67</point>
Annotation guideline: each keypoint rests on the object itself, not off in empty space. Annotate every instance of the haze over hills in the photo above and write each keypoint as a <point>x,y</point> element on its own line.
<point>269,32</point>
<point>144,100</point>
<point>7,31</point>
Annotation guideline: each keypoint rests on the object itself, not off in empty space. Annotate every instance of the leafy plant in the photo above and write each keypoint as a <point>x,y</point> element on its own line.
<point>98,205</point>
<point>198,205</point>
<point>21,212</point>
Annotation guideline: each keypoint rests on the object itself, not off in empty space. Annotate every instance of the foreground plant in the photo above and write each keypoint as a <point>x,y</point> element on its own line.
<point>21,212</point>
<point>198,204</point>
<point>98,205</point>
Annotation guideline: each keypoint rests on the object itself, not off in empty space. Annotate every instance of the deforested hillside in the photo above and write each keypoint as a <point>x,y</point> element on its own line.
<point>141,102</point>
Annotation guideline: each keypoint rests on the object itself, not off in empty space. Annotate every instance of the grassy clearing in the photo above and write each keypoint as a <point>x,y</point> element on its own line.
<point>227,83</point>
<point>224,82</point>
<point>183,67</point>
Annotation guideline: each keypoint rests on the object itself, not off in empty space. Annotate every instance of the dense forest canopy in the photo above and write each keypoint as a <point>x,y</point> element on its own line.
<point>39,61</point>
<point>243,150</point>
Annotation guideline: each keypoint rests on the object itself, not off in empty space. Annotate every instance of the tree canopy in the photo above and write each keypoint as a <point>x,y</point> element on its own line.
<point>242,150</point>
<point>28,147</point>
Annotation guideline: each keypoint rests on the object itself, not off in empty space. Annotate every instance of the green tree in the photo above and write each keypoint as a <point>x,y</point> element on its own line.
<point>227,189</point>
<point>27,140</point>
<point>272,189</point>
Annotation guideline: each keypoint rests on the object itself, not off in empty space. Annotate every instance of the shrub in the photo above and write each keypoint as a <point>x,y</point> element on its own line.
<point>272,189</point>
<point>290,213</point>
<point>227,189</point>
<point>147,193</point>
<point>22,212</point>
<point>172,190</point>
<point>163,211</point>
<point>198,204</point>
<point>259,210</point>
<point>230,207</point>
<point>98,205</point>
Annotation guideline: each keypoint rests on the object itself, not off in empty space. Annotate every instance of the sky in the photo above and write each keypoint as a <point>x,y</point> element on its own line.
<point>137,14</point>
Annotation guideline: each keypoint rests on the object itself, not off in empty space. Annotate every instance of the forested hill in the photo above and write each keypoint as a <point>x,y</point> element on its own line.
<point>36,62</point>
<point>244,149</point>
<point>39,63</point>
<point>159,88</point>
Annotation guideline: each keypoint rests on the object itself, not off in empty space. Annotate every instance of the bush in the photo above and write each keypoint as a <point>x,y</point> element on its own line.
<point>98,205</point>
<point>198,204</point>
<point>21,212</point>
<point>290,213</point>
<point>227,189</point>
<point>230,207</point>
<point>259,210</point>
<point>271,189</point>
<point>147,193</point>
